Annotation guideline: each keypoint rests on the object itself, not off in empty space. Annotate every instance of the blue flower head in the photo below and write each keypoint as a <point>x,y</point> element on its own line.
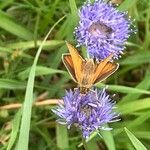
<point>88,112</point>
<point>102,29</point>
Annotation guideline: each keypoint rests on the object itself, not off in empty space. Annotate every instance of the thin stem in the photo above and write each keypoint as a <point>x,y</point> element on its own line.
<point>84,143</point>
<point>40,103</point>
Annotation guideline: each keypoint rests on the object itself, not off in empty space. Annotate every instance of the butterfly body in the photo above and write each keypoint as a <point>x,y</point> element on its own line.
<point>87,72</point>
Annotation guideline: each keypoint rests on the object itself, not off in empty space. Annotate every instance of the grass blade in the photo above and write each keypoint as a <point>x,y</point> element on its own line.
<point>27,106</point>
<point>74,10</point>
<point>134,123</point>
<point>138,59</point>
<point>11,26</point>
<point>134,106</point>
<point>123,89</point>
<point>144,85</point>
<point>11,84</point>
<point>49,44</point>
<point>143,134</point>
<point>126,5</point>
<point>40,70</point>
<point>109,140</point>
<point>136,143</point>
<point>62,137</point>
<point>15,129</point>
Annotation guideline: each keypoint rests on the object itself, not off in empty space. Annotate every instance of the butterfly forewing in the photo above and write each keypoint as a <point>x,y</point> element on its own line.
<point>67,60</point>
<point>77,61</point>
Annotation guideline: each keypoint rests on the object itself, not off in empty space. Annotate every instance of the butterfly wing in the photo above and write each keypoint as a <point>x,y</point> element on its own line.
<point>109,69</point>
<point>67,60</point>
<point>104,69</point>
<point>77,61</point>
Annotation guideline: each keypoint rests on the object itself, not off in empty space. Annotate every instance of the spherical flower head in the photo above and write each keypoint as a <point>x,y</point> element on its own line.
<point>89,111</point>
<point>102,29</point>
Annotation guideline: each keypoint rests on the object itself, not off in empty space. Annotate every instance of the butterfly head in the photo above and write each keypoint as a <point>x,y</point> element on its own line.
<point>83,90</point>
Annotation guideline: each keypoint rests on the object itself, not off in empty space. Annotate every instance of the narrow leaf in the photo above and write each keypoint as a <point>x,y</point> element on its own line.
<point>144,85</point>
<point>11,26</point>
<point>50,44</point>
<point>74,10</point>
<point>27,106</point>
<point>139,58</point>
<point>126,5</point>
<point>62,137</point>
<point>11,84</point>
<point>15,129</point>
<point>109,140</point>
<point>40,70</point>
<point>136,143</point>
<point>123,89</point>
<point>134,106</point>
<point>143,134</point>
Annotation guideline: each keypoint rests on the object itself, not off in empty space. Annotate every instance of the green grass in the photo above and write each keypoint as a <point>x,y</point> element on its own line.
<point>30,65</point>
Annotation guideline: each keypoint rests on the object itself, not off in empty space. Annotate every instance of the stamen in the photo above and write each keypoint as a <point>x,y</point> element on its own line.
<point>87,110</point>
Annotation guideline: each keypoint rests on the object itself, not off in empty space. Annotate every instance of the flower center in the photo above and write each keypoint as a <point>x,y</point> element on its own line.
<point>100,28</point>
<point>87,110</point>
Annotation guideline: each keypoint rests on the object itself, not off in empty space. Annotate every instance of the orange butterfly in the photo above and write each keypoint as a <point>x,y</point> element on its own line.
<point>87,72</point>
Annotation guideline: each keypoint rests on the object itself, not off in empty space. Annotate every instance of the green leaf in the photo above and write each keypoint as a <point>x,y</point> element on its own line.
<point>123,89</point>
<point>143,134</point>
<point>91,140</point>
<point>93,136</point>
<point>139,58</point>
<point>4,4</point>
<point>12,84</point>
<point>27,108</point>
<point>15,129</point>
<point>44,132</point>
<point>66,32</point>
<point>71,22</point>
<point>62,137</point>
<point>108,138</point>
<point>74,10</point>
<point>134,106</point>
<point>50,44</point>
<point>11,26</point>
<point>4,49</point>
<point>40,70</point>
<point>126,5</point>
<point>136,143</point>
<point>92,144</point>
<point>144,85</point>
<point>134,123</point>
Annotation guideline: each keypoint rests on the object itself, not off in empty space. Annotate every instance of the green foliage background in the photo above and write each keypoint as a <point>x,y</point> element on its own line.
<point>30,67</point>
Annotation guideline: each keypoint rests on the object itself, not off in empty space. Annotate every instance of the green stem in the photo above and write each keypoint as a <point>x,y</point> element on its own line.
<point>84,143</point>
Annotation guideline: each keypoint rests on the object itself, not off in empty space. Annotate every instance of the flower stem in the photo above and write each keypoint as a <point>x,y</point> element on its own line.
<point>84,143</point>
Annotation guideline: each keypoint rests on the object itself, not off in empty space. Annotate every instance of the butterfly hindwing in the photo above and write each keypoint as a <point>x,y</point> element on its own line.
<point>107,70</point>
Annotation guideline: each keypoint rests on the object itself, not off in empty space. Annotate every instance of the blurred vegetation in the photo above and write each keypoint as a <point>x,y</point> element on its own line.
<point>23,26</point>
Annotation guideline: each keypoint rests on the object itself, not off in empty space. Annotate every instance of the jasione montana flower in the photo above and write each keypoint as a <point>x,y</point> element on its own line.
<point>88,112</point>
<point>102,29</point>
